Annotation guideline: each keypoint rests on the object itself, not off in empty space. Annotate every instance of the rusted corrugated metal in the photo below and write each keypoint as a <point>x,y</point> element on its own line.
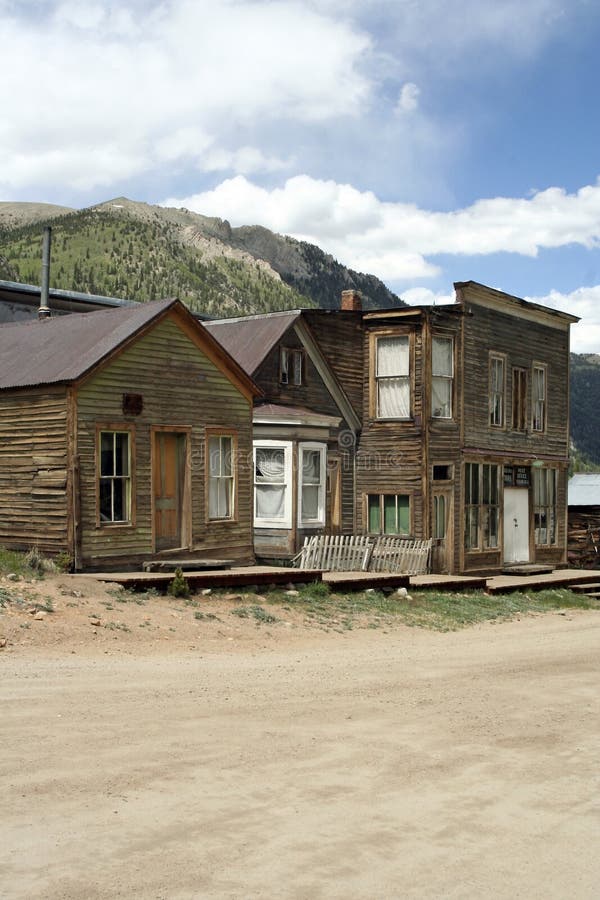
<point>249,340</point>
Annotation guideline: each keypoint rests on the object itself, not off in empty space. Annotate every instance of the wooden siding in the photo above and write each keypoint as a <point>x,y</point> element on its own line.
<point>34,469</point>
<point>523,343</point>
<point>181,388</point>
<point>339,335</point>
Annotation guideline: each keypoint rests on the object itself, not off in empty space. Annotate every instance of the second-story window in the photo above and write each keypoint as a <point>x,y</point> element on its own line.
<point>497,391</point>
<point>519,399</point>
<point>442,377</point>
<point>291,365</point>
<point>392,374</point>
<point>538,398</point>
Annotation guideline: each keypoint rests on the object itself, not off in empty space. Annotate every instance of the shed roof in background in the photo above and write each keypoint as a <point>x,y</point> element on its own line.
<point>584,489</point>
<point>249,339</point>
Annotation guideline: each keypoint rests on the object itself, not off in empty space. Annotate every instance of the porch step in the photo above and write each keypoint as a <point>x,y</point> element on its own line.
<point>527,569</point>
<point>186,565</point>
<point>592,589</point>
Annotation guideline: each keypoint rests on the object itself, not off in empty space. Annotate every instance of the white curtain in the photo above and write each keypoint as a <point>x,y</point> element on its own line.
<point>392,357</point>
<point>270,501</point>
<point>394,398</point>
<point>441,356</point>
<point>270,464</point>
<point>270,488</point>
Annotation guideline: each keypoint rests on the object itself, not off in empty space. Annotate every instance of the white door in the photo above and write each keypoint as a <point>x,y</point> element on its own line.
<point>516,525</point>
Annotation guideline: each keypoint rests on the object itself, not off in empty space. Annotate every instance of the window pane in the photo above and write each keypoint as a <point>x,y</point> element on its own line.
<point>121,453</point>
<point>392,356</point>
<point>311,467</point>
<point>214,456</point>
<point>226,456</point>
<point>107,453</point>
<point>403,515</point>
<point>441,356</point>
<point>298,367</point>
<point>390,518</point>
<point>439,517</point>
<point>105,500</point>
<point>270,501</point>
<point>120,505</point>
<point>374,514</point>
<point>270,465</point>
<point>441,397</point>
<point>310,501</point>
<point>393,398</point>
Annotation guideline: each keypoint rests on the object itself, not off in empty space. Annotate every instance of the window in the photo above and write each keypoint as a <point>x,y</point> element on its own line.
<point>291,364</point>
<point>482,506</point>
<point>115,477</point>
<point>442,376</point>
<point>519,399</point>
<point>221,479</point>
<point>442,473</point>
<point>439,517</point>
<point>538,398</point>
<point>311,484</point>
<point>392,375</point>
<point>272,484</point>
<point>544,506</point>
<point>497,391</point>
<point>388,513</point>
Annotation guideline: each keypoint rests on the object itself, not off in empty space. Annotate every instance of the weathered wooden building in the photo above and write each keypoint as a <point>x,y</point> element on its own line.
<point>124,434</point>
<point>465,434</point>
<point>305,426</point>
<point>584,520</point>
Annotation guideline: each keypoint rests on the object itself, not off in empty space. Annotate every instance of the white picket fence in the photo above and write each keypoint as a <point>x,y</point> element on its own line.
<point>362,553</point>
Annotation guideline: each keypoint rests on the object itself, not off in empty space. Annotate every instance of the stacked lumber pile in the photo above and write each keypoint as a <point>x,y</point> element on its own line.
<point>584,537</point>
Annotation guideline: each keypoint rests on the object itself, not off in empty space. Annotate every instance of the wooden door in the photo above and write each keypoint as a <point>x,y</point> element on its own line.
<point>168,485</point>
<point>516,525</point>
<point>334,495</point>
<point>442,531</point>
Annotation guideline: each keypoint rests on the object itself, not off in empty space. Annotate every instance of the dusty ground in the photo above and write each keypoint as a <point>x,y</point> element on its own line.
<point>222,758</point>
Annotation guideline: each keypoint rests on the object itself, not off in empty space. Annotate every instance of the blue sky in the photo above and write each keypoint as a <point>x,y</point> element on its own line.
<point>423,141</point>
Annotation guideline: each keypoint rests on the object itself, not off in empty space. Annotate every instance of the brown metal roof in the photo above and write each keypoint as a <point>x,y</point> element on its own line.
<point>63,349</point>
<point>251,338</point>
<point>292,415</point>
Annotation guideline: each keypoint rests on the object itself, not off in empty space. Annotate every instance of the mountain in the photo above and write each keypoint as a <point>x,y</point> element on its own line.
<point>123,248</point>
<point>585,409</point>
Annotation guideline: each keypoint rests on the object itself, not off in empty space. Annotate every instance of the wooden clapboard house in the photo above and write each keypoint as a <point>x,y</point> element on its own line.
<point>465,435</point>
<point>306,424</point>
<point>124,434</point>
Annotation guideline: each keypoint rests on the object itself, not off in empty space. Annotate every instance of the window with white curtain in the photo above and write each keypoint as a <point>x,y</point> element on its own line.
<point>392,375</point>
<point>273,484</point>
<point>221,480</point>
<point>442,377</point>
<point>311,483</point>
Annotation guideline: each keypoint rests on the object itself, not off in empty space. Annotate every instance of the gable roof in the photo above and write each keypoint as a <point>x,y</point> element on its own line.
<point>64,349</point>
<point>584,489</point>
<point>250,339</point>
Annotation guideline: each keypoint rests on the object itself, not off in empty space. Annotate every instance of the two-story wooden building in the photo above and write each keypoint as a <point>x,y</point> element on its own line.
<point>465,434</point>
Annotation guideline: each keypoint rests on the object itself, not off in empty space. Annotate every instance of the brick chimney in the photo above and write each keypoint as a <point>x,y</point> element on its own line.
<point>351,300</point>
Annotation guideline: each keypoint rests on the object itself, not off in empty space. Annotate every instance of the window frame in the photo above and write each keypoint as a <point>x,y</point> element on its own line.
<point>229,434</point>
<point>375,379</point>
<point>115,428</point>
<point>321,448</point>
<point>442,377</point>
<point>292,359</point>
<point>547,509</point>
<point>477,512</point>
<point>501,394</point>
<point>285,521</point>
<point>381,498</point>
<point>519,399</point>
<point>535,400</point>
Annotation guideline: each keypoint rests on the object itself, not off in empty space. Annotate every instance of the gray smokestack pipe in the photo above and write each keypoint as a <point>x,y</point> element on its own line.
<point>44,310</point>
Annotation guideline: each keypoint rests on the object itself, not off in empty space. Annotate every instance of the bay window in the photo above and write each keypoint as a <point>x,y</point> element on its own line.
<point>311,484</point>
<point>273,484</point>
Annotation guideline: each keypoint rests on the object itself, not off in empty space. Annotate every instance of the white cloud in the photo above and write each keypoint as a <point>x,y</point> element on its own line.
<point>140,79</point>
<point>408,100</point>
<point>244,161</point>
<point>585,303</point>
<point>394,240</point>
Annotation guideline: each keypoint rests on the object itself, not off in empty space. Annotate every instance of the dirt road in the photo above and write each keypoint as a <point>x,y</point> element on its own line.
<point>368,765</point>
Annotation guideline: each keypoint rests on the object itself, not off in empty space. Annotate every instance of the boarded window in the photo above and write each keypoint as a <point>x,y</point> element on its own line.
<point>388,513</point>
<point>291,366</point>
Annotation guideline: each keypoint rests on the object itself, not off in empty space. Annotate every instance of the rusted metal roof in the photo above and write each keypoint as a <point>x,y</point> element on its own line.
<point>279,414</point>
<point>63,349</point>
<point>251,338</point>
